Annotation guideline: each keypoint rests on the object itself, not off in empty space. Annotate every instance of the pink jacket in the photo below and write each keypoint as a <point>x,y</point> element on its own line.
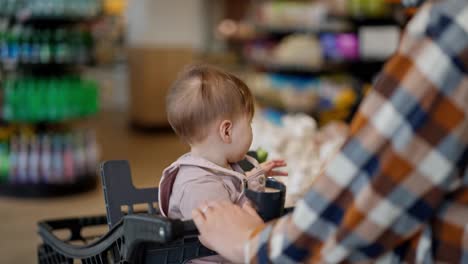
<point>192,180</point>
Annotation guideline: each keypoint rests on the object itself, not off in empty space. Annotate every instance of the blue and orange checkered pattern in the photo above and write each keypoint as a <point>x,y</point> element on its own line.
<point>398,189</point>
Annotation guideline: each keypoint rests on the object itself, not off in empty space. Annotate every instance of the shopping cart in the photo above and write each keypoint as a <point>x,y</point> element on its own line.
<point>133,236</point>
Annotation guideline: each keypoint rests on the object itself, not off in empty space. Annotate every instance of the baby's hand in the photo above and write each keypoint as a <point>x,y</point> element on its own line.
<point>269,167</point>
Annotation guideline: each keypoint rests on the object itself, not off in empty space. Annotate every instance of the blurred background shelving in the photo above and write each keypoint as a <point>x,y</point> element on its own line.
<point>45,46</point>
<point>316,57</point>
<point>100,73</point>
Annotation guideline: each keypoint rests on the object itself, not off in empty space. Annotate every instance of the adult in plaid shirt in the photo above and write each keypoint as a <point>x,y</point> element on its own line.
<point>398,189</point>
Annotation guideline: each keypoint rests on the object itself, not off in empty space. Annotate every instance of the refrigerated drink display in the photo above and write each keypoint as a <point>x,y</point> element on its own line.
<point>44,47</point>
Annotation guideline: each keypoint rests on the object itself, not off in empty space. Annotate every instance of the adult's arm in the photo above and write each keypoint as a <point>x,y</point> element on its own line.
<point>401,160</point>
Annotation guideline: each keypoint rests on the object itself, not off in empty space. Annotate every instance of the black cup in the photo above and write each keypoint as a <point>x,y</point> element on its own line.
<point>269,205</point>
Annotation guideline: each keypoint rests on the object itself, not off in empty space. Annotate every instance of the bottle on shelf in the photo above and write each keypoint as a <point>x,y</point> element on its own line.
<point>23,159</point>
<point>46,49</point>
<point>68,162</point>
<point>52,99</point>
<point>9,96</point>
<point>33,161</point>
<point>25,45</point>
<point>3,42</point>
<point>13,159</point>
<point>57,159</point>
<point>50,158</point>
<point>51,8</point>
<point>79,154</point>
<point>91,152</point>
<point>45,166</point>
<point>62,49</point>
<point>22,44</point>
<point>4,162</point>
<point>13,45</point>
<point>35,47</point>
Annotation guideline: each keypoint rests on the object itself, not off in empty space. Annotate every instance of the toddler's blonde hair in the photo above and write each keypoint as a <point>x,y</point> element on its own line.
<point>202,94</point>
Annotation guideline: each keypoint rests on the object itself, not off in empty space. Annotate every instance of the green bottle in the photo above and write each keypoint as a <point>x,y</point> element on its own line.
<point>14,45</point>
<point>65,102</point>
<point>8,106</point>
<point>61,101</point>
<point>28,102</point>
<point>42,101</point>
<point>53,95</point>
<point>82,50</point>
<point>21,100</point>
<point>85,97</point>
<point>4,162</point>
<point>3,44</point>
<point>36,106</point>
<point>46,48</point>
<point>36,47</point>
<point>94,97</point>
<point>88,42</point>
<point>72,99</point>
<point>26,45</point>
<point>62,50</point>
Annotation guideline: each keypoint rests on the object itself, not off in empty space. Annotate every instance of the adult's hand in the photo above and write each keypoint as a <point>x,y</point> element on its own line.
<point>225,227</point>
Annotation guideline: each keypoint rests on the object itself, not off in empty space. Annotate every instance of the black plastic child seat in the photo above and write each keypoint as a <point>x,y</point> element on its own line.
<point>134,237</point>
<point>117,180</point>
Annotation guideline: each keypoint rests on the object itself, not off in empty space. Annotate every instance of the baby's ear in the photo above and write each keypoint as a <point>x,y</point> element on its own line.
<point>225,131</point>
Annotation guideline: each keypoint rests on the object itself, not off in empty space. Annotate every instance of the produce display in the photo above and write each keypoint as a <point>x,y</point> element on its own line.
<point>306,148</point>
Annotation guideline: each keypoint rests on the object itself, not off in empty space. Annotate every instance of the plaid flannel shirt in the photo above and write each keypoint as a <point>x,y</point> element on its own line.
<point>398,189</point>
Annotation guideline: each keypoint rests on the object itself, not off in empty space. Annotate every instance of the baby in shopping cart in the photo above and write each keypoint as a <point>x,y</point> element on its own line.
<point>211,110</point>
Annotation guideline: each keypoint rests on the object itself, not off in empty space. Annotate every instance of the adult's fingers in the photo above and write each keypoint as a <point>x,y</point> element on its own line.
<point>278,173</point>
<point>218,204</point>
<point>249,209</point>
<point>279,162</point>
<point>205,242</point>
<point>199,219</point>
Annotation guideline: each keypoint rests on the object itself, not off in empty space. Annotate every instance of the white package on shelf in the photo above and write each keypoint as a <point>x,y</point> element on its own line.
<point>378,42</point>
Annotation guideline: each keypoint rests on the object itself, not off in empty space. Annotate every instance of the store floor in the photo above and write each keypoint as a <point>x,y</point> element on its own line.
<point>148,155</point>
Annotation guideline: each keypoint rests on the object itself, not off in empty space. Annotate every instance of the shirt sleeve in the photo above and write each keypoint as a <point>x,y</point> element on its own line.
<point>400,161</point>
<point>203,190</point>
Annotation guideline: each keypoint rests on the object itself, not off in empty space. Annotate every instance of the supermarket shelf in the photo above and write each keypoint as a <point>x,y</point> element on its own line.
<point>373,21</point>
<point>336,27</point>
<point>318,107</point>
<point>299,69</point>
<point>51,21</point>
<point>44,68</point>
<point>46,123</point>
<point>321,115</point>
<point>337,24</point>
<point>59,101</point>
<point>354,67</point>
<point>265,102</point>
<point>31,190</point>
